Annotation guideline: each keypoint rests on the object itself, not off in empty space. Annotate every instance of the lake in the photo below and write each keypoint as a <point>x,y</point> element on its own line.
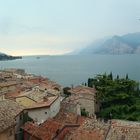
<point>67,70</point>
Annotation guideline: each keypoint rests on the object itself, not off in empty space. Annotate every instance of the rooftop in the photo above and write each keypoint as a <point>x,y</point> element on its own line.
<point>46,131</point>
<point>124,130</point>
<point>90,129</point>
<point>47,103</point>
<point>83,90</point>
<point>69,118</point>
<point>34,95</point>
<point>8,110</point>
<point>8,83</point>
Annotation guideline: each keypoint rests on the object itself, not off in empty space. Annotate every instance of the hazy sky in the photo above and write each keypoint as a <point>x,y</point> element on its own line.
<point>60,26</point>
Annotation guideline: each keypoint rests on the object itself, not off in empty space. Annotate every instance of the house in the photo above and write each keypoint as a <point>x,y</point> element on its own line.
<point>44,83</point>
<point>38,112</point>
<point>5,76</point>
<point>8,111</point>
<point>45,131</point>
<point>15,71</point>
<point>35,79</point>
<point>85,97</point>
<point>68,105</point>
<point>111,130</point>
<point>91,130</point>
<point>58,128</point>
<point>7,86</point>
<point>41,111</point>
<point>124,130</point>
<point>27,98</point>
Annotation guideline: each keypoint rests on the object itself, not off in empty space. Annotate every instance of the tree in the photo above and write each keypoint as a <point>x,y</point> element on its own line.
<point>111,76</point>
<point>66,91</point>
<point>120,97</point>
<point>126,76</point>
<point>117,77</point>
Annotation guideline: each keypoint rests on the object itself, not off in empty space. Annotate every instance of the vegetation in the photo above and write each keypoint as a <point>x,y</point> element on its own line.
<point>84,112</point>
<point>119,97</point>
<point>8,57</point>
<point>66,91</point>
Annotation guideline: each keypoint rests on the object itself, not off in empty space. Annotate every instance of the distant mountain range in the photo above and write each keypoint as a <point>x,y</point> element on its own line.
<point>4,56</point>
<point>126,44</point>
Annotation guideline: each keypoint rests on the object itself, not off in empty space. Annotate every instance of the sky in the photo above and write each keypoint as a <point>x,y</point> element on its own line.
<point>53,27</point>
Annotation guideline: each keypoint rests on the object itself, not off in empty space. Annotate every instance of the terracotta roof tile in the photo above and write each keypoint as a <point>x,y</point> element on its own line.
<point>69,118</point>
<point>46,131</point>
<point>9,83</point>
<point>8,110</point>
<point>83,89</point>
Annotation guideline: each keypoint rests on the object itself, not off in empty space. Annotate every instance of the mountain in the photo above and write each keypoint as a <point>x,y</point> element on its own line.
<point>4,56</point>
<point>126,44</point>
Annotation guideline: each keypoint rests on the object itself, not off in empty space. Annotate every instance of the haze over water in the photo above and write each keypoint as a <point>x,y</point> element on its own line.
<point>67,70</point>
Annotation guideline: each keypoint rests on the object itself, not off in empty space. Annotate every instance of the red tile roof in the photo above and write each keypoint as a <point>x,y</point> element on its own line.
<point>81,134</point>
<point>61,126</point>
<point>8,111</point>
<point>69,118</point>
<point>46,131</point>
<point>83,89</point>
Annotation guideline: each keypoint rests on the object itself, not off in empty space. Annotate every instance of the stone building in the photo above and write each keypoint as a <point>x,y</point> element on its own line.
<point>85,97</point>
<point>8,111</point>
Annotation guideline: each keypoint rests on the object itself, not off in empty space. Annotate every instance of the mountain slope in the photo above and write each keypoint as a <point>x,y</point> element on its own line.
<point>126,44</point>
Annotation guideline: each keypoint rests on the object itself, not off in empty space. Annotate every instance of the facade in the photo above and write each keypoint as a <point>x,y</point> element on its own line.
<point>41,111</point>
<point>8,111</point>
<point>15,71</point>
<point>38,113</point>
<point>58,128</point>
<point>7,86</point>
<point>8,134</point>
<point>85,97</point>
<point>72,107</point>
<point>2,96</point>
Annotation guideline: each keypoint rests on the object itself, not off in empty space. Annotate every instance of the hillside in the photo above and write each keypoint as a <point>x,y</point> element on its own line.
<point>4,56</point>
<point>126,44</point>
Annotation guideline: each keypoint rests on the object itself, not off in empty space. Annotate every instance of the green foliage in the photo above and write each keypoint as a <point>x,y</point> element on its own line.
<point>66,91</point>
<point>120,97</point>
<point>84,112</point>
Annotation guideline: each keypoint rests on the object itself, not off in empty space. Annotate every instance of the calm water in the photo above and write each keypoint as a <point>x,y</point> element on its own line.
<point>67,70</point>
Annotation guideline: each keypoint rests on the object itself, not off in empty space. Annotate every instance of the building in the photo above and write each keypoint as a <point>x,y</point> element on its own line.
<point>15,71</point>
<point>91,130</point>
<point>124,130</point>
<point>111,130</point>
<point>8,111</point>
<point>85,97</point>
<point>8,86</point>
<point>58,128</point>
<point>43,110</point>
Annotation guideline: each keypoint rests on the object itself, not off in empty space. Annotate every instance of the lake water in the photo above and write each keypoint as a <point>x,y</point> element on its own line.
<point>67,70</point>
